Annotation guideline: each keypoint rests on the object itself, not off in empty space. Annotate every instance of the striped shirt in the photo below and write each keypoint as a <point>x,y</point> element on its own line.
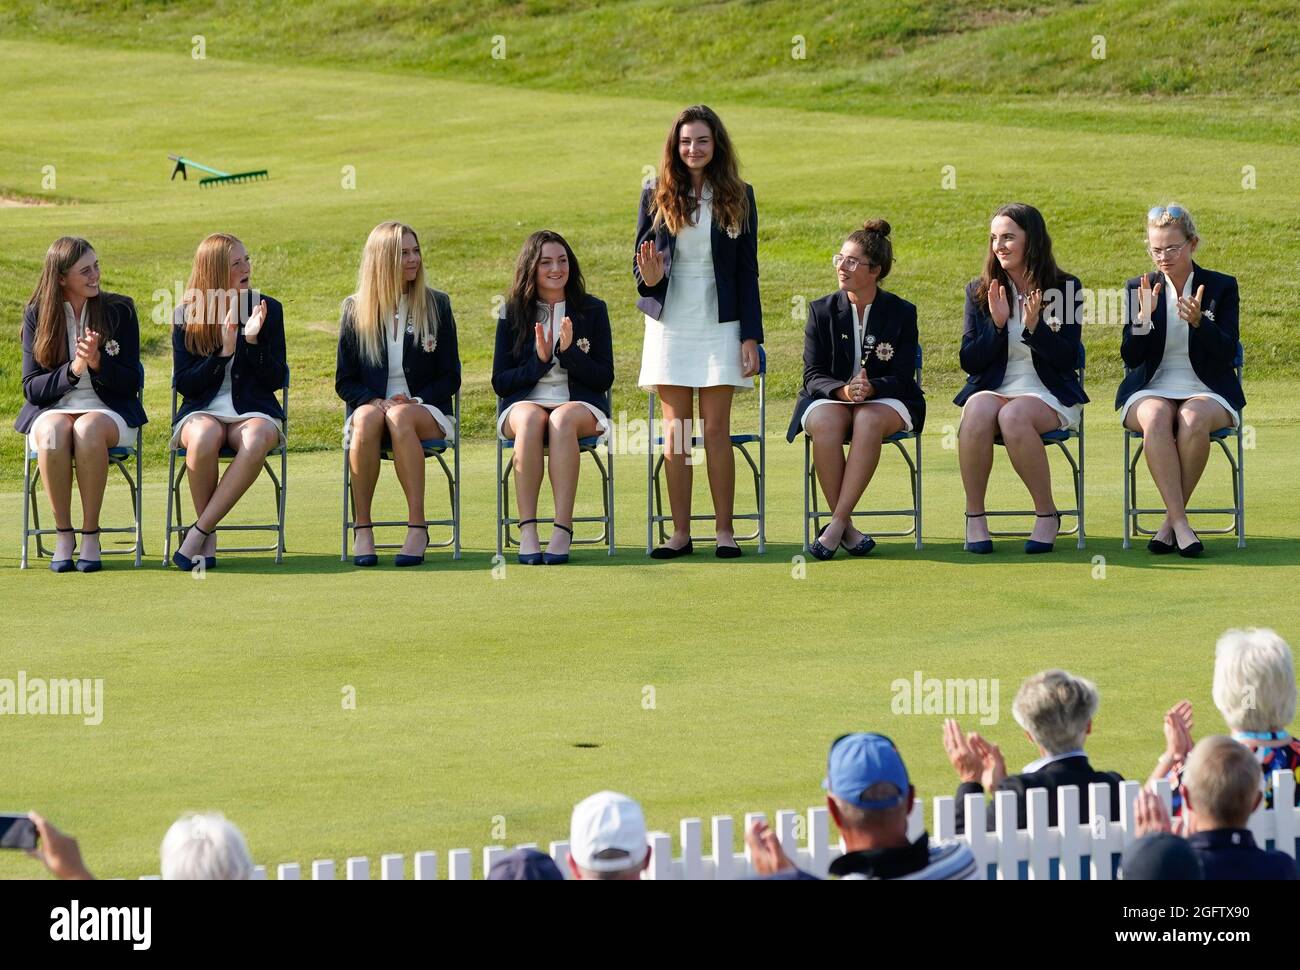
<point>920,860</point>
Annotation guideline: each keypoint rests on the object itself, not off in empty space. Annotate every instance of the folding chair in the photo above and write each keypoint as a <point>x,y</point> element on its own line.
<point>281,484</point>
<point>433,448</point>
<point>1237,467</point>
<point>117,458</point>
<point>812,515</point>
<point>591,445</point>
<point>655,516</point>
<point>1061,440</point>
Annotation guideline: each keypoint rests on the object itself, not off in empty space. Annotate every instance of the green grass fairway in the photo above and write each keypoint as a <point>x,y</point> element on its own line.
<point>512,693</point>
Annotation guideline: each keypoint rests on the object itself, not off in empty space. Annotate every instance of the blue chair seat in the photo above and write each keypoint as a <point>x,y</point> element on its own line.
<point>736,439</point>
<point>1222,433</point>
<point>430,446</point>
<point>227,452</point>
<point>1062,435</point>
<point>590,441</point>
<point>900,436</point>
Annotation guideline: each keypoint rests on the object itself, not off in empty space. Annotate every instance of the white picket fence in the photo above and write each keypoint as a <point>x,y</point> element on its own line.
<point>1072,849</point>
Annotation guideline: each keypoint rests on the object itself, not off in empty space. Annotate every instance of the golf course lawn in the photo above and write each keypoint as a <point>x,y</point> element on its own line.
<point>485,694</point>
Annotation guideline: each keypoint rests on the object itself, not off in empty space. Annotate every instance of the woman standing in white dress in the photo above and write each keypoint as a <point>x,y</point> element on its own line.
<point>228,363</point>
<point>696,268</point>
<point>1182,384</point>
<point>81,381</point>
<point>1020,345</point>
<point>398,369</point>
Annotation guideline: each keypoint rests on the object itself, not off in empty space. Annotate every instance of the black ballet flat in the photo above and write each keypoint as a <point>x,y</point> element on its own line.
<point>61,565</point>
<point>862,548</point>
<point>984,546</point>
<point>89,565</point>
<point>819,551</point>
<point>727,552</point>
<point>668,552</point>
<point>557,558</point>
<point>1032,546</point>
<point>370,558</point>
<point>1159,548</point>
<point>1192,550</point>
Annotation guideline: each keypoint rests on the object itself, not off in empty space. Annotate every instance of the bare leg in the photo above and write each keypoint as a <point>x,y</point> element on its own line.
<point>566,424</point>
<point>408,425</point>
<point>1154,417</point>
<point>1023,423</point>
<point>367,440</point>
<point>53,436</point>
<point>715,417</point>
<point>979,424</point>
<point>828,426</point>
<point>202,438</point>
<point>93,433</point>
<point>676,405</point>
<point>527,424</point>
<point>872,423</point>
<point>1197,417</point>
<point>250,440</point>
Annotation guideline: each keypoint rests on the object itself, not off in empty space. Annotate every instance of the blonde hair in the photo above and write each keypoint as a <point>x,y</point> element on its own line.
<point>208,294</point>
<point>379,290</point>
<point>1254,680</point>
<point>1161,216</point>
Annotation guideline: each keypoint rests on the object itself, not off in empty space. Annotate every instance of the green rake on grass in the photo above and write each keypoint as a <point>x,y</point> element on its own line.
<point>217,177</point>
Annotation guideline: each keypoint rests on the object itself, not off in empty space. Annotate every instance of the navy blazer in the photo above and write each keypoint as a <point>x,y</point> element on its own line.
<point>1233,854</point>
<point>117,381</point>
<point>1056,774</point>
<point>591,371</point>
<point>432,377</point>
<point>257,371</point>
<point>1055,350</point>
<point>1211,347</point>
<point>828,362</point>
<point>735,268</point>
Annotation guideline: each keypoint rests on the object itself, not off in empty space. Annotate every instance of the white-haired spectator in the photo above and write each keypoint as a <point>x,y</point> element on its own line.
<point>607,838</point>
<point>1255,691</point>
<point>205,845</point>
<point>1221,789</point>
<point>1055,709</point>
<point>870,797</point>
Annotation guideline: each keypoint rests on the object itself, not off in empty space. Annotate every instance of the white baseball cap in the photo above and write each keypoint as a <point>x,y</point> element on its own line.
<point>607,833</point>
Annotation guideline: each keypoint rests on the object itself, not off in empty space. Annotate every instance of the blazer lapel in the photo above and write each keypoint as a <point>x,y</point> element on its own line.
<point>1158,316</point>
<point>843,366</point>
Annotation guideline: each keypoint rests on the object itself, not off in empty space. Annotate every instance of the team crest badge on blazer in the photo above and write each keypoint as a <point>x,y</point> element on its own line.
<point>112,348</point>
<point>1053,323</point>
<point>584,344</point>
<point>884,351</point>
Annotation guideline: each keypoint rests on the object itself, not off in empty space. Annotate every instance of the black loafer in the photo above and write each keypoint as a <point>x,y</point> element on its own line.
<point>668,552</point>
<point>727,552</point>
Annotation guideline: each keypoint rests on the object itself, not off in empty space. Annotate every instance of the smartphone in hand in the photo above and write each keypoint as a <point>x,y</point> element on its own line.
<point>17,832</point>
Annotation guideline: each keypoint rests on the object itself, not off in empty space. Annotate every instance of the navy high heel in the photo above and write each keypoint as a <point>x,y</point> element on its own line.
<point>1033,546</point>
<point>369,559</point>
<point>984,546</point>
<point>557,558</point>
<point>184,562</point>
<point>401,559</point>
<point>89,565</point>
<point>62,565</point>
<point>528,558</point>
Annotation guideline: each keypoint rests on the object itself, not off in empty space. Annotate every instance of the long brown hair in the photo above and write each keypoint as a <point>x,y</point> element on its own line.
<point>51,345</point>
<point>522,299</point>
<point>1040,265</point>
<point>672,203</point>
<point>208,294</point>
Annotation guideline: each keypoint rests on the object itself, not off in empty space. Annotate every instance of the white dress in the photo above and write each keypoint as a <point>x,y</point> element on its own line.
<point>687,346</point>
<point>859,328</point>
<point>1174,378</point>
<point>222,406</point>
<point>552,389</point>
<point>396,348</point>
<point>1020,379</point>
<point>82,398</point>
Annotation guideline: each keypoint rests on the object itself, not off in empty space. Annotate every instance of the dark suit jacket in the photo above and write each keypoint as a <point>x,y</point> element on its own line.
<point>1211,347</point>
<point>735,268</point>
<point>257,371</point>
<point>117,381</point>
<point>432,377</point>
<point>1233,854</point>
<point>591,371</point>
<point>828,362</point>
<point>1069,771</point>
<point>1055,350</point>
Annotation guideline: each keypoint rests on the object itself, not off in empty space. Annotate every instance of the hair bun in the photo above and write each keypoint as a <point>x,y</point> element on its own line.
<point>876,225</point>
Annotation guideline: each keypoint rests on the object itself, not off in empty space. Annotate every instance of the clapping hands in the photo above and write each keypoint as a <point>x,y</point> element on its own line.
<point>974,758</point>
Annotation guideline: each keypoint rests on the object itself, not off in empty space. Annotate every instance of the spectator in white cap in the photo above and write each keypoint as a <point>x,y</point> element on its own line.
<point>870,798</point>
<point>607,838</point>
<point>205,846</point>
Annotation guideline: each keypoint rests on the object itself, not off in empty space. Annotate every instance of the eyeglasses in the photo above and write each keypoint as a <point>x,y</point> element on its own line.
<point>1168,252</point>
<point>850,263</point>
<point>1156,211</point>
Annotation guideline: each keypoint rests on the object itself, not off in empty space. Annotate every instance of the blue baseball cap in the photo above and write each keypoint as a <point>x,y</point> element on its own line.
<point>858,761</point>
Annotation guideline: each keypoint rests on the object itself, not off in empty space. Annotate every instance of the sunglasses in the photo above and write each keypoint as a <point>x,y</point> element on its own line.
<point>1156,211</point>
